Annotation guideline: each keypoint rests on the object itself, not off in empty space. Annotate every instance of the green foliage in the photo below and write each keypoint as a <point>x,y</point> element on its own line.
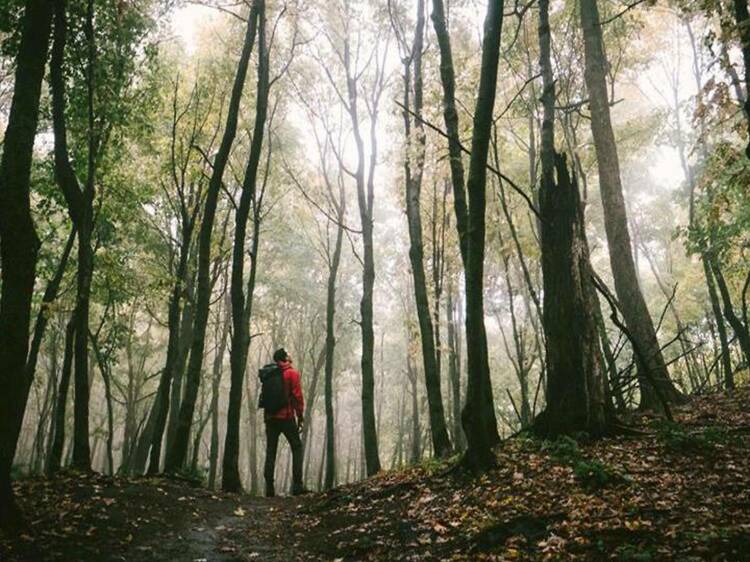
<point>592,474</point>
<point>677,439</point>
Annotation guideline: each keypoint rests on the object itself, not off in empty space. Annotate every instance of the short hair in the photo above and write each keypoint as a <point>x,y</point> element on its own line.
<point>280,354</point>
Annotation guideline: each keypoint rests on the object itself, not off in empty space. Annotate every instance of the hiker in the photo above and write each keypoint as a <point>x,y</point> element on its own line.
<point>281,397</point>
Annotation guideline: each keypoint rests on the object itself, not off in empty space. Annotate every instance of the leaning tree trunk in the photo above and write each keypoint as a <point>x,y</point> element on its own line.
<point>18,240</point>
<point>241,302</point>
<point>177,453</point>
<point>413,173</point>
<point>631,299</point>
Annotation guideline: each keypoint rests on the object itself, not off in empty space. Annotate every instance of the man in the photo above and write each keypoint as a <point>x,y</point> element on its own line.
<point>287,421</point>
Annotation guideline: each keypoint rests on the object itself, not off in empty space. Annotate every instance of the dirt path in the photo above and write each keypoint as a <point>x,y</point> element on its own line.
<point>95,517</point>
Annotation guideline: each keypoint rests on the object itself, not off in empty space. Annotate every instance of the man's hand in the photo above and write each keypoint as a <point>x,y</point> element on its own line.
<point>300,424</point>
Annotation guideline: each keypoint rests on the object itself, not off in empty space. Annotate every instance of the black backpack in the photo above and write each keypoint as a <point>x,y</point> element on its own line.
<point>272,393</point>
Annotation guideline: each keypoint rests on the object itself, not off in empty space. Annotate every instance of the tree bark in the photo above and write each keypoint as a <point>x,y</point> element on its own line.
<point>177,453</point>
<point>19,244</point>
<point>628,292</point>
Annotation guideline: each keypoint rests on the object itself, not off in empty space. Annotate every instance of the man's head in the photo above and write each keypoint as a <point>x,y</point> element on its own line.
<point>281,355</point>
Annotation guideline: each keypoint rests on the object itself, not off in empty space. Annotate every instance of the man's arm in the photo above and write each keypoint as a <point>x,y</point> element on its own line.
<point>297,398</point>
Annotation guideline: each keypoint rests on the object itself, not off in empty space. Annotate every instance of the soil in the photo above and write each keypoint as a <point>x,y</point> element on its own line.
<point>675,492</point>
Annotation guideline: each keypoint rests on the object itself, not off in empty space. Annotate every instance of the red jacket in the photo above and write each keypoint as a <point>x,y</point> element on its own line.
<point>293,390</point>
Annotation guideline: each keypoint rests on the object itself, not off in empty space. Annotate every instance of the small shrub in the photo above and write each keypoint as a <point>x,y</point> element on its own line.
<point>563,448</point>
<point>595,475</point>
<point>591,473</point>
<point>678,440</point>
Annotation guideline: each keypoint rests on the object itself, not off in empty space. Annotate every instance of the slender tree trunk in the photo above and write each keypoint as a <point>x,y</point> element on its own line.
<point>629,294</point>
<point>58,442</point>
<point>18,240</point>
<point>177,453</point>
<point>478,415</point>
<point>215,388</point>
<point>454,370</point>
<point>741,329</point>
<point>478,366</point>
<point>161,404</point>
<point>241,303</point>
<point>413,172</point>
<point>330,439</point>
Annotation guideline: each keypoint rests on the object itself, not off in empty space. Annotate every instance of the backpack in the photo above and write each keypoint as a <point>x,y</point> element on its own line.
<point>272,392</point>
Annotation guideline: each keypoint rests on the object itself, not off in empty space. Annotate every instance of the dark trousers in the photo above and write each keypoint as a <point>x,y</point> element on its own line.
<point>275,428</point>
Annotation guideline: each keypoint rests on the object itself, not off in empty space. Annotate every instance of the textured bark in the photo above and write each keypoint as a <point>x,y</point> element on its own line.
<point>631,299</point>
<point>18,240</point>
<point>413,172</point>
<point>177,453</point>
<point>242,302</point>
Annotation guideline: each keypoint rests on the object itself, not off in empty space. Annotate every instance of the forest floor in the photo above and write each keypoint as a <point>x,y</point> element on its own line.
<point>677,492</point>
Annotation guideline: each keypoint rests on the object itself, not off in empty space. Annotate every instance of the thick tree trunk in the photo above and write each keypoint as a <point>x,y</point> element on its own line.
<point>177,453</point>
<point>629,294</point>
<point>413,178</point>
<point>18,240</point>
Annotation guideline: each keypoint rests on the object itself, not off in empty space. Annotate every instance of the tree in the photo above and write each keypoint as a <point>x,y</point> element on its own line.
<point>413,174</point>
<point>631,299</point>
<point>18,240</point>
<point>177,453</point>
<point>478,415</point>
<point>242,303</point>
<point>575,380</point>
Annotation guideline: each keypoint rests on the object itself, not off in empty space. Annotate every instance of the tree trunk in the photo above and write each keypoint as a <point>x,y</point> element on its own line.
<point>413,179</point>
<point>629,294</point>
<point>478,415</point>
<point>241,303</point>
<point>161,404</point>
<point>215,387</point>
<point>177,453</point>
<point>18,240</point>
<point>330,439</point>
<point>454,370</point>
<point>55,455</point>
